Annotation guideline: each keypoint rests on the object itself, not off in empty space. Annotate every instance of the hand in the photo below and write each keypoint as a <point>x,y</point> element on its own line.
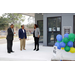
<point>19,38</point>
<point>38,36</point>
<point>26,38</point>
<point>14,33</point>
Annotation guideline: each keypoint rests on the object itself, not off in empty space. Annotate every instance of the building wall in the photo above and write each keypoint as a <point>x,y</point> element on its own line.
<point>38,17</point>
<point>67,20</point>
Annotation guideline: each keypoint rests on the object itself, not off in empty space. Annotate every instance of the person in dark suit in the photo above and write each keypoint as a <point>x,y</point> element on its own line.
<point>22,37</point>
<point>10,34</point>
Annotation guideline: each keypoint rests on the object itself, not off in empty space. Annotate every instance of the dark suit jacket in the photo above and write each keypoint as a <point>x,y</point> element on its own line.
<point>34,33</point>
<point>10,34</point>
<point>21,34</point>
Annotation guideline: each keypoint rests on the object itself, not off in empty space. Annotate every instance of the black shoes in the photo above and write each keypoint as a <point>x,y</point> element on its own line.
<point>12,51</point>
<point>9,52</point>
<point>36,50</point>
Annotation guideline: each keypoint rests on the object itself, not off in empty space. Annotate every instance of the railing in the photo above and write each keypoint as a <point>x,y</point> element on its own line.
<point>3,33</point>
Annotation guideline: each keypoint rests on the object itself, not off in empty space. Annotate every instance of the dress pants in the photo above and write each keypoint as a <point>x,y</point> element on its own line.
<point>22,43</point>
<point>36,42</point>
<point>9,45</point>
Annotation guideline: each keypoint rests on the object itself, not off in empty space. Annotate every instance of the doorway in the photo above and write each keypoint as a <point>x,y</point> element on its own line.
<point>40,24</point>
<point>74,24</point>
<point>53,29</point>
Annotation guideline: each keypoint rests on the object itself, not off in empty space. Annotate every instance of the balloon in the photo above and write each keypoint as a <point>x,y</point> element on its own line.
<point>59,42</point>
<point>58,45</point>
<point>66,44</point>
<point>66,35</point>
<point>70,44</point>
<point>72,50</point>
<point>71,36</point>
<point>65,40</point>
<point>59,38</point>
<point>74,35</point>
<point>67,48</point>
<point>71,40</point>
<point>62,48</point>
<point>62,44</point>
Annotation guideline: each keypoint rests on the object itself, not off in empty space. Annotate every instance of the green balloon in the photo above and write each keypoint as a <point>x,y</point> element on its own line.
<point>71,40</point>
<point>65,40</point>
<point>67,48</point>
<point>74,35</point>
<point>59,42</point>
<point>71,36</point>
<point>66,44</point>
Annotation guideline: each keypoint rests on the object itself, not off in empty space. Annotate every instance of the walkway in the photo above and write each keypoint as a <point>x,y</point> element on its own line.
<point>44,54</point>
<point>2,41</point>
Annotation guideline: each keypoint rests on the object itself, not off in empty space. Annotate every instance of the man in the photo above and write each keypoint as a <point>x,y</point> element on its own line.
<point>10,34</point>
<point>22,37</point>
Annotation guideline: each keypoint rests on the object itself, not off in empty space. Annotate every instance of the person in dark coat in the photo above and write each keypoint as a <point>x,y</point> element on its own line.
<point>10,37</point>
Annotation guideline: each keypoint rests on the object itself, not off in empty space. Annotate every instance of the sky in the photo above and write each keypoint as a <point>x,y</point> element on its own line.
<point>26,19</point>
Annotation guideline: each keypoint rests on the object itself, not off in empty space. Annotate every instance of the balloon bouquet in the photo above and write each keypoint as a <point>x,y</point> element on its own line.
<point>65,43</point>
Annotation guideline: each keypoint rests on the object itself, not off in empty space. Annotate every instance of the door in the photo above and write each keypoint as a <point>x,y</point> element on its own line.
<point>40,24</point>
<point>74,24</point>
<point>53,29</point>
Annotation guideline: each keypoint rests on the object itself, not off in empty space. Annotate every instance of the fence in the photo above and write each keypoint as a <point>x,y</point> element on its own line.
<point>3,33</point>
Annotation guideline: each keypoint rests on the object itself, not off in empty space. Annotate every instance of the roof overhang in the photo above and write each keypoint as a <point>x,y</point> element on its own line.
<point>29,14</point>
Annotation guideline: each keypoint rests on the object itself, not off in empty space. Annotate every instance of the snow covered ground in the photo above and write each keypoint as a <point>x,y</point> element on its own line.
<point>44,54</point>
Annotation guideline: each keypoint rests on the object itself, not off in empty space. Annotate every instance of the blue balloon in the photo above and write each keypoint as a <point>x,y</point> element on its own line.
<point>66,35</point>
<point>59,38</point>
<point>62,44</point>
<point>58,45</point>
<point>70,44</point>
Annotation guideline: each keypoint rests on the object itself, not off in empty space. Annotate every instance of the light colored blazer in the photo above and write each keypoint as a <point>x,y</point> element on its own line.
<point>37,32</point>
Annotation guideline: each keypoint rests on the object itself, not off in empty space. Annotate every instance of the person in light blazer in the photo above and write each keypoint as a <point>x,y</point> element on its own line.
<point>36,36</point>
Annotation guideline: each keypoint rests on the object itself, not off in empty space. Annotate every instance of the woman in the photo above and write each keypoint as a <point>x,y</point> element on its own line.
<point>36,34</point>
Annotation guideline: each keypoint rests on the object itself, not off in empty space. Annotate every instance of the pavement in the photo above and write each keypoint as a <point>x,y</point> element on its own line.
<point>44,54</point>
<point>3,41</point>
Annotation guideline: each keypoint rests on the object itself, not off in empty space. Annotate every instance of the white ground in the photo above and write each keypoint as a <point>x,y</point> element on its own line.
<point>44,54</point>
